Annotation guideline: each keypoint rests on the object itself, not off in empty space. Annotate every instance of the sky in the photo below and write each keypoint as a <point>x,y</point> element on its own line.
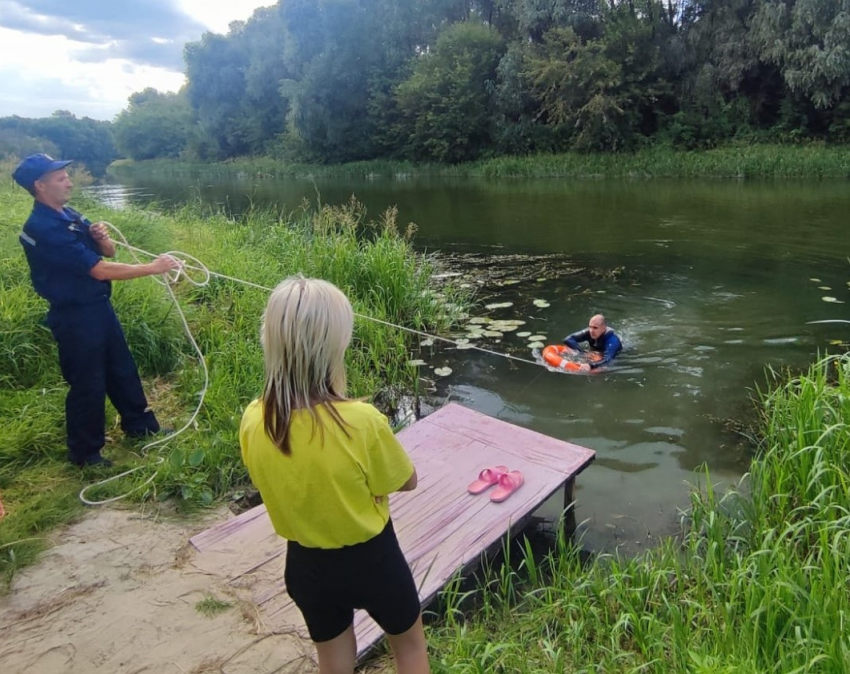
<point>88,56</point>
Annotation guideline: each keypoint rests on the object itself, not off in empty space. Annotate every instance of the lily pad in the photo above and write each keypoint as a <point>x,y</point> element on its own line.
<point>427,342</point>
<point>523,334</point>
<point>415,362</point>
<point>537,338</point>
<point>541,303</point>
<point>492,333</point>
<point>442,371</point>
<point>833,300</point>
<point>479,319</point>
<point>461,341</point>
<point>535,345</point>
<point>463,347</point>
<point>815,280</point>
<point>498,305</point>
<point>824,288</point>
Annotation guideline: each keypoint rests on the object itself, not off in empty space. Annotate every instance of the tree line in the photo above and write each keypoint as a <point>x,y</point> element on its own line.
<point>453,80</point>
<point>88,141</point>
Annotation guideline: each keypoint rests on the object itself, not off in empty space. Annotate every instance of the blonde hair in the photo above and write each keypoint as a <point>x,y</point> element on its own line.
<point>307,327</point>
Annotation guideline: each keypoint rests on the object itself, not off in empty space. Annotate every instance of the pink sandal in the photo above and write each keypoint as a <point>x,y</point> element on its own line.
<point>487,478</point>
<point>508,484</point>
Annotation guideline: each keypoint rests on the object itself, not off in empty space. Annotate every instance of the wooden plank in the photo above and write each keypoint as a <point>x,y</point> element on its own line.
<point>440,526</point>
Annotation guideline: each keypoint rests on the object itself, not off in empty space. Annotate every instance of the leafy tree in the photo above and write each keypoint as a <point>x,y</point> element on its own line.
<point>447,100</point>
<point>345,58</point>
<point>215,68</point>
<point>724,86</point>
<point>154,125</point>
<point>518,124</point>
<point>532,19</point>
<point>16,144</point>
<point>605,89</point>
<point>264,109</point>
<point>809,40</point>
<point>87,141</point>
<point>575,84</point>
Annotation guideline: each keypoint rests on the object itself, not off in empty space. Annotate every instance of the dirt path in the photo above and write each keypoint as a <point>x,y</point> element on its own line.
<point>118,594</point>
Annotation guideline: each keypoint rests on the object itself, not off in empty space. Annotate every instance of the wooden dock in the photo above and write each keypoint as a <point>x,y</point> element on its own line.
<point>440,526</point>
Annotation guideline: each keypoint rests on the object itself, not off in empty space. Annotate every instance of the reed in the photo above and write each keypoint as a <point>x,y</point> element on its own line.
<point>738,161</point>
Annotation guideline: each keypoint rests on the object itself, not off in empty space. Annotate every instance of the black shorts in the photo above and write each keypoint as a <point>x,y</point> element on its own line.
<point>327,585</point>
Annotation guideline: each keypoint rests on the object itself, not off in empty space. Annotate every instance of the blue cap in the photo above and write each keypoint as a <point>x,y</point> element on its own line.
<point>35,166</point>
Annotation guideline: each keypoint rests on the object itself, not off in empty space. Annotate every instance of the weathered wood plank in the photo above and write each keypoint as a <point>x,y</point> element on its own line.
<point>441,527</point>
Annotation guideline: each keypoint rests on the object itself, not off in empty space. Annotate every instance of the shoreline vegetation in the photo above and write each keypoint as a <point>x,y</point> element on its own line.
<point>759,580</point>
<point>812,160</point>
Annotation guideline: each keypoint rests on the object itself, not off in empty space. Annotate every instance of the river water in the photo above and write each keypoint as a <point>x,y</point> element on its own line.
<point>707,282</point>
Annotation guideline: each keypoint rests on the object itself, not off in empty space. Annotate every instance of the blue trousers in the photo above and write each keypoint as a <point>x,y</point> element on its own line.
<point>97,363</point>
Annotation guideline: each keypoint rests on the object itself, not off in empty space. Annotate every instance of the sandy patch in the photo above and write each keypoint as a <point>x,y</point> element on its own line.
<point>118,593</point>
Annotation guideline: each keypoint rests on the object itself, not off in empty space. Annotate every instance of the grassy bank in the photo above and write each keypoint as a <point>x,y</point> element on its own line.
<point>371,261</point>
<point>760,582</point>
<point>746,161</point>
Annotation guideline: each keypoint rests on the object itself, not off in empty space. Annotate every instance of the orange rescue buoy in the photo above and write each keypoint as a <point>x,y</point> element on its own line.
<point>565,358</point>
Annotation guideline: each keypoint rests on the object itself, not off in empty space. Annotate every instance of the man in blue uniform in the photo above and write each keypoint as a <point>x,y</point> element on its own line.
<point>600,338</point>
<point>65,254</point>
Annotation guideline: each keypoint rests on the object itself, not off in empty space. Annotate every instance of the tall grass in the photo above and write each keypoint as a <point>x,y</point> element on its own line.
<point>745,161</point>
<point>814,160</point>
<point>758,582</point>
<point>371,261</point>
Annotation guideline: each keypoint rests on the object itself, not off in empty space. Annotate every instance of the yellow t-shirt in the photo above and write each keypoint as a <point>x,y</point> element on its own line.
<point>323,494</point>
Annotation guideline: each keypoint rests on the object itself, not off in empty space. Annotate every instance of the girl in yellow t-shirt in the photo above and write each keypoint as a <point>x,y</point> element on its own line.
<point>324,466</point>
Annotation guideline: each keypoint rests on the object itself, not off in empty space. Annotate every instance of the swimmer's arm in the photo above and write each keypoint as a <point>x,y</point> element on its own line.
<point>612,348</point>
<point>573,340</point>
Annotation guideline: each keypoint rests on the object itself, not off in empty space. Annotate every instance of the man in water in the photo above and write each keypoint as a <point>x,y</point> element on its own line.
<point>65,254</point>
<point>600,338</point>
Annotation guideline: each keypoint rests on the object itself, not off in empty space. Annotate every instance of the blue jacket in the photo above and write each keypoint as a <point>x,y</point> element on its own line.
<point>61,253</point>
<point>608,344</point>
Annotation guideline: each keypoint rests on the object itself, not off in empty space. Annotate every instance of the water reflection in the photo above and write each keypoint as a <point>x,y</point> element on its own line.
<point>119,196</point>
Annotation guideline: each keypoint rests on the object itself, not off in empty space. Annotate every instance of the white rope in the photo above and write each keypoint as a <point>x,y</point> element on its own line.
<point>167,281</point>
<point>173,277</point>
<point>208,273</point>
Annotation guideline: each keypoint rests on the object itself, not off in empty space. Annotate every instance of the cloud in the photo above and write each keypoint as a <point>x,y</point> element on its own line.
<point>147,32</point>
<point>148,52</point>
<point>88,56</point>
<point>27,97</point>
<point>97,90</point>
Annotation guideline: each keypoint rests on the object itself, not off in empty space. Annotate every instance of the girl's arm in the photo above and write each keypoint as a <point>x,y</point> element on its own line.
<point>410,485</point>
